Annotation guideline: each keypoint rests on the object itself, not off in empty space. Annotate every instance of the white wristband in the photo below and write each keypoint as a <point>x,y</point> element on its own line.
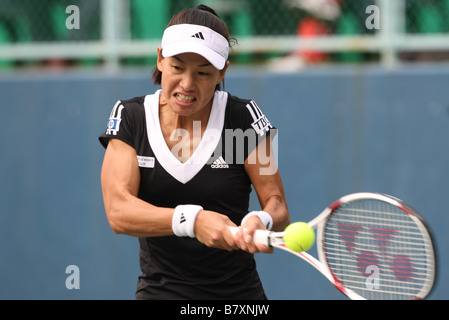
<point>265,217</point>
<point>183,221</point>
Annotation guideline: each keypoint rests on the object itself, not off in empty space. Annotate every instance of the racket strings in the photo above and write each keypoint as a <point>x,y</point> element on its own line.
<point>378,250</point>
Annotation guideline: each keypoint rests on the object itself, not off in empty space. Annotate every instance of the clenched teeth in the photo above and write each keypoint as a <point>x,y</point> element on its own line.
<point>184,98</point>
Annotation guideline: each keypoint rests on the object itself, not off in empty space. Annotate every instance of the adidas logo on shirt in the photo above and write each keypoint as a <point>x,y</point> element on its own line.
<point>219,163</point>
<point>198,35</point>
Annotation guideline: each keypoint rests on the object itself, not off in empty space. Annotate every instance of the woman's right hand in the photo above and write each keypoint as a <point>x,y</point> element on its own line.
<point>212,229</point>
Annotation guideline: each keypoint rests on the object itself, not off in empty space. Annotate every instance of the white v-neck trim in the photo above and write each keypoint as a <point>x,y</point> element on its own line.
<point>184,172</point>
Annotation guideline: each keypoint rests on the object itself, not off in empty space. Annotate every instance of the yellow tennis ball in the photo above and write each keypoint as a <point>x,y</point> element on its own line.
<point>299,236</point>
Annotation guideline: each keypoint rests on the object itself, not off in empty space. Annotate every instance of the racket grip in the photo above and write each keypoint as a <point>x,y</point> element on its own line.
<point>260,236</point>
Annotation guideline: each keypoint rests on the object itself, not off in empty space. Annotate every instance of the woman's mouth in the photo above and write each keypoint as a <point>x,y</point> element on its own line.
<point>184,98</point>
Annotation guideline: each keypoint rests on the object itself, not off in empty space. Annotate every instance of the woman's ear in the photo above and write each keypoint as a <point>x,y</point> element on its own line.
<point>159,58</point>
<point>223,72</point>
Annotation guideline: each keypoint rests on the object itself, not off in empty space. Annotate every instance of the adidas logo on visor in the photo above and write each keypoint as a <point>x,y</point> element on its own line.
<point>198,35</point>
<point>213,46</point>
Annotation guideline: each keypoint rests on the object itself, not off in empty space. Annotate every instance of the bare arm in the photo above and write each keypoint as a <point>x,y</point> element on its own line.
<point>262,170</point>
<point>127,214</point>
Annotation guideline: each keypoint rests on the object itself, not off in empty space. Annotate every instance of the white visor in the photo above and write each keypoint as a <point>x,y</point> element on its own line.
<point>182,38</point>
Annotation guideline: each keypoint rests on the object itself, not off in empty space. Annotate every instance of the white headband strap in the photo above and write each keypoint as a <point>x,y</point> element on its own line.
<point>182,38</point>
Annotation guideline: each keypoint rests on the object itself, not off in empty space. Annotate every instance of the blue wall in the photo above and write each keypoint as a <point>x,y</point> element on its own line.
<point>341,130</point>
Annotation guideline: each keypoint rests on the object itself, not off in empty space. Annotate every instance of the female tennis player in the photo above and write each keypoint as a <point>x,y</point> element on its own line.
<point>178,170</point>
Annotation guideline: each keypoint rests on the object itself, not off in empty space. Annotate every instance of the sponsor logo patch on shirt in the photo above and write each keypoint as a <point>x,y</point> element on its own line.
<point>145,162</point>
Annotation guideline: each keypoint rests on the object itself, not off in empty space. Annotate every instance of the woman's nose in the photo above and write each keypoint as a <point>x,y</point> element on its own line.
<point>187,81</point>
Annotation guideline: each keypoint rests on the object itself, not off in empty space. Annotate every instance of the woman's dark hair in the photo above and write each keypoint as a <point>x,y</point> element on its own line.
<point>201,15</point>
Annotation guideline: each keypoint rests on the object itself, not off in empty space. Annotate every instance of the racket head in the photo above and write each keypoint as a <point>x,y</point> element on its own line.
<point>376,247</point>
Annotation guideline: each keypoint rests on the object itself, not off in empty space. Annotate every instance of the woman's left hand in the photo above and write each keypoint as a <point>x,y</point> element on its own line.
<point>244,236</point>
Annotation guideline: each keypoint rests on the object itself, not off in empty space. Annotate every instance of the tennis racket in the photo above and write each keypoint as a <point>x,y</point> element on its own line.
<point>370,246</point>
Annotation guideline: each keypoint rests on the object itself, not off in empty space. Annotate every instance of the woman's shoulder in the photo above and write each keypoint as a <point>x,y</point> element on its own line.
<point>248,107</point>
<point>247,111</point>
<point>136,105</point>
<point>134,102</point>
<point>238,102</point>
